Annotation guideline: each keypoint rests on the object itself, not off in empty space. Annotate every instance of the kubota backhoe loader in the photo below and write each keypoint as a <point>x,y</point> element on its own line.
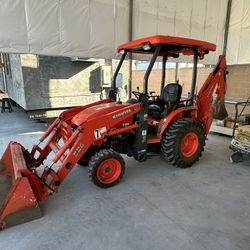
<point>96,134</point>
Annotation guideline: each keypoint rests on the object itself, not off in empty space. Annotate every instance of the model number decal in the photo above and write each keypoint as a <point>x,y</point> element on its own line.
<point>81,146</point>
<point>98,132</point>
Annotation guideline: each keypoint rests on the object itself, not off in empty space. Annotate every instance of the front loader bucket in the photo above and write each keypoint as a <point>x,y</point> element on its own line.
<point>18,201</point>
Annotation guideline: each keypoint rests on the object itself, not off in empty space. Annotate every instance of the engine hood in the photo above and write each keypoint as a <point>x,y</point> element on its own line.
<point>96,112</point>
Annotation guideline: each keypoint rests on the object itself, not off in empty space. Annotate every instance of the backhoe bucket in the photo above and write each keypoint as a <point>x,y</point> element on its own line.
<point>18,201</point>
<point>219,109</point>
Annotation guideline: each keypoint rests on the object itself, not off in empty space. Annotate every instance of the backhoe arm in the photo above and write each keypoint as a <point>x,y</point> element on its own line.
<point>215,83</point>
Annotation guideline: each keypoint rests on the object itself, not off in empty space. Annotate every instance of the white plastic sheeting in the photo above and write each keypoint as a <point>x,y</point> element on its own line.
<point>238,49</point>
<point>198,19</point>
<point>93,28</point>
<point>85,28</point>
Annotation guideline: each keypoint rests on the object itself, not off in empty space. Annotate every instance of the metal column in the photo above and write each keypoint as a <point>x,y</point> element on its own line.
<point>176,77</point>
<point>229,5</point>
<point>163,75</point>
<point>131,4</point>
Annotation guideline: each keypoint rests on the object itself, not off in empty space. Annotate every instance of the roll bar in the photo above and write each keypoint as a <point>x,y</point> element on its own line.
<point>150,67</point>
<point>118,68</point>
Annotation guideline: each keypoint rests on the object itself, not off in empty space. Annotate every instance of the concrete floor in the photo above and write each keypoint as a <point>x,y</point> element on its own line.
<point>156,206</point>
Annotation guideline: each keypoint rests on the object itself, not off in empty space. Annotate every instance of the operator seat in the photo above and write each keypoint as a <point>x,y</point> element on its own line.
<point>168,101</point>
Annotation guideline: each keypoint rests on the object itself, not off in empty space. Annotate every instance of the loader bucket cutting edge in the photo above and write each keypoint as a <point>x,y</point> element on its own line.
<point>17,198</point>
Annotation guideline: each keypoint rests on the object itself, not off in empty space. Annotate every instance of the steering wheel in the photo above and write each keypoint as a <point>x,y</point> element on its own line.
<point>136,94</point>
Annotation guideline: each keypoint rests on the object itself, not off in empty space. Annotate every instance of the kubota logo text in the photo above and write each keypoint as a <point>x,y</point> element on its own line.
<point>126,112</point>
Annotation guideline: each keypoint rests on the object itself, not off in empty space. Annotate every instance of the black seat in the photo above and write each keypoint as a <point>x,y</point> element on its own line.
<point>170,96</point>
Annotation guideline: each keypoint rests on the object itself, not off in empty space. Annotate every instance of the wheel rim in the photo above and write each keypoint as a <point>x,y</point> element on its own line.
<point>109,171</point>
<point>189,144</point>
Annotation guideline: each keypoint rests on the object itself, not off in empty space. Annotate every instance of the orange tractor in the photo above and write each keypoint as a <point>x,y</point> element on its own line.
<point>97,134</point>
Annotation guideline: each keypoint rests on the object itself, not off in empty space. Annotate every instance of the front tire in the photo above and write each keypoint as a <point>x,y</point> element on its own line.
<point>183,142</point>
<point>106,168</point>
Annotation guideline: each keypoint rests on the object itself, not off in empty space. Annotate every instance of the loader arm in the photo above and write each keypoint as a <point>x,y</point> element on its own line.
<point>215,83</point>
<point>32,176</point>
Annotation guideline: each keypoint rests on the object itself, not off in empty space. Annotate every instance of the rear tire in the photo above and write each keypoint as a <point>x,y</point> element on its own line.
<point>183,142</point>
<point>106,168</point>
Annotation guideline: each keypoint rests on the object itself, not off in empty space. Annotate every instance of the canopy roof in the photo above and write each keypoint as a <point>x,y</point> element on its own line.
<point>171,45</point>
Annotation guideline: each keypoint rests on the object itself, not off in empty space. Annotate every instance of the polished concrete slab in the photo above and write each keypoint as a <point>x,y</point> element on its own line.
<point>156,206</point>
